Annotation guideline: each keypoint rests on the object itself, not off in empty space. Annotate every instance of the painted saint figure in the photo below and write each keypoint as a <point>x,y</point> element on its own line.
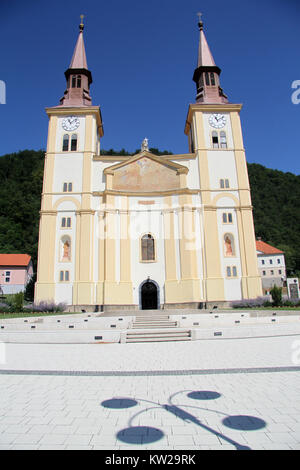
<point>66,251</point>
<point>228,247</point>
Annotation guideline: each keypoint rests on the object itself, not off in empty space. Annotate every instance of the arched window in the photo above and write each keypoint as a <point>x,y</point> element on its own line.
<point>147,248</point>
<point>223,140</point>
<point>65,143</point>
<point>215,140</point>
<point>74,142</point>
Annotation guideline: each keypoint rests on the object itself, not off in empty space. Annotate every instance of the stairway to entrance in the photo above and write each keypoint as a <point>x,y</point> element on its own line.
<point>154,327</point>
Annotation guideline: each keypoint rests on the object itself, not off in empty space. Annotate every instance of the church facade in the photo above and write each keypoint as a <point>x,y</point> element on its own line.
<point>146,231</point>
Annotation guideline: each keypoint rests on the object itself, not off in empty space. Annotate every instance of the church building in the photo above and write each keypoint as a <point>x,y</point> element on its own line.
<point>146,231</point>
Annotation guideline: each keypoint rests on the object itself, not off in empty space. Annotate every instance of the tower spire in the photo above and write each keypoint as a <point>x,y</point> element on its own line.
<point>207,74</point>
<point>78,76</point>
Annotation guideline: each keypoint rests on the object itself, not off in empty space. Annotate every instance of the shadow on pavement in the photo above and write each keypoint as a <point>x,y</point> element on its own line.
<point>145,434</point>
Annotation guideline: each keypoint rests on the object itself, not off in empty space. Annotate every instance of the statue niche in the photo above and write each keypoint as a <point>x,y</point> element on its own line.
<point>65,249</point>
<point>229,245</point>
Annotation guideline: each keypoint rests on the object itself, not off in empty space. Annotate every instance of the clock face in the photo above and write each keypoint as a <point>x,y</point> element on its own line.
<point>70,123</point>
<point>217,120</point>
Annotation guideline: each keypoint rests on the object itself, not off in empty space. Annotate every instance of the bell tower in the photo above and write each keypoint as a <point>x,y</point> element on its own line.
<point>66,248</point>
<point>214,130</point>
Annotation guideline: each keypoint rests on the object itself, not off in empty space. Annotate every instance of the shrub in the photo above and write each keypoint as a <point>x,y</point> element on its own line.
<point>276,293</point>
<point>29,290</point>
<point>15,302</point>
<point>251,303</point>
<point>46,307</point>
<point>4,308</point>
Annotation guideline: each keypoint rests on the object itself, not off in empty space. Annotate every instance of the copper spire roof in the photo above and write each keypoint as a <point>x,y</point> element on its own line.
<point>205,58</point>
<point>79,57</point>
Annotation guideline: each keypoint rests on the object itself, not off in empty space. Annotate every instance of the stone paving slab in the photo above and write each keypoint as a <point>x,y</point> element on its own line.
<point>198,412</point>
<point>203,354</point>
<point>229,394</point>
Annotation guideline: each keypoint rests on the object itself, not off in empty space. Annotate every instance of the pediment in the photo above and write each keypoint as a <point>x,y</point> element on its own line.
<point>146,172</point>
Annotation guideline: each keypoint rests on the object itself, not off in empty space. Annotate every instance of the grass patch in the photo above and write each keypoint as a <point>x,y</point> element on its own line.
<point>3,316</point>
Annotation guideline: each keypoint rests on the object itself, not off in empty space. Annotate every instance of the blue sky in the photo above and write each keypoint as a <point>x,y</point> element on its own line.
<point>142,55</point>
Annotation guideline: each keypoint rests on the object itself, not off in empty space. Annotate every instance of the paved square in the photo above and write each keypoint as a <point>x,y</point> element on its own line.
<point>214,394</point>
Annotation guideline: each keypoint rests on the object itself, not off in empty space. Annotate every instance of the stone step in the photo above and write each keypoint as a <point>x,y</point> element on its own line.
<point>153,327</point>
<point>156,322</point>
<point>158,333</point>
<point>157,340</point>
<point>152,318</point>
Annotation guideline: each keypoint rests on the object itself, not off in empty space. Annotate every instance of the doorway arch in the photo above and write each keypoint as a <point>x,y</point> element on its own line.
<point>149,295</point>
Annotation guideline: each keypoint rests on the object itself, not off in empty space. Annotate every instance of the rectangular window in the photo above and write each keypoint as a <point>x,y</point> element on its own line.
<point>64,276</point>
<point>272,272</point>
<point>228,271</point>
<point>234,271</point>
<point>69,222</point>
<point>215,141</point>
<point>262,261</point>
<point>279,271</point>
<point>70,187</point>
<point>271,261</point>
<point>223,140</point>
<point>278,261</point>
<point>222,185</point>
<point>7,276</point>
<point>63,222</point>
<point>74,143</point>
<point>264,273</point>
<point>65,188</point>
<point>226,183</point>
<point>212,79</point>
<point>224,218</point>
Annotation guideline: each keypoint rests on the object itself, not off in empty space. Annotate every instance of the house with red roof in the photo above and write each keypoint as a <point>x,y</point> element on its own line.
<point>16,270</point>
<point>271,265</point>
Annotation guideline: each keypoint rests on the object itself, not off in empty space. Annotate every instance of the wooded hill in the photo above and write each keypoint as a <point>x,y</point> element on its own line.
<point>275,199</point>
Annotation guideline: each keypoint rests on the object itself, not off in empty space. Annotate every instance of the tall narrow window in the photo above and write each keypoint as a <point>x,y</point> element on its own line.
<point>67,276</point>
<point>70,187</point>
<point>229,218</point>
<point>65,188</point>
<point>228,271</point>
<point>63,222</point>
<point>74,81</point>
<point>61,276</point>
<point>74,142</point>
<point>215,140</point>
<point>224,218</point>
<point>222,184</point>
<point>69,222</point>
<point>212,79</point>
<point>207,79</point>
<point>234,271</point>
<point>226,183</point>
<point>65,143</point>
<point>223,140</point>
<point>148,248</point>
<point>78,81</point>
